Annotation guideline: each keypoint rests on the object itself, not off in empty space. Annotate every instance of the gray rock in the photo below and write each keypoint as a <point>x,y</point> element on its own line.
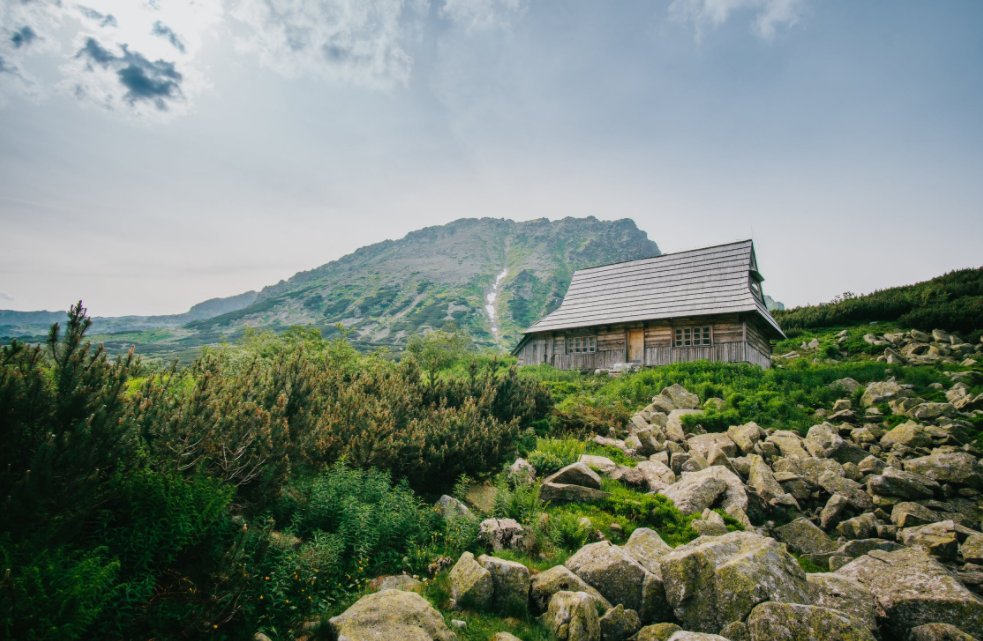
<point>686,635</point>
<point>451,508</point>
<point>572,616</point>
<point>471,584</point>
<point>512,582</point>
<point>859,527</point>
<point>784,621</point>
<point>704,443</point>
<point>575,474</point>
<point>566,493</point>
<point>938,632</point>
<point>763,481</point>
<point>908,434</point>
<point>611,571</point>
<point>681,398</point>
<point>601,464</point>
<point>847,595</point>
<point>522,471</point>
<point>880,391</point>
<point>696,491</point>
<point>901,484</point>
<point>674,424</point>
<point>657,632</point>
<point>789,443</point>
<point>746,436</point>
<point>559,579</point>
<point>504,636</point>
<point>853,491</point>
<point>646,547</point>
<point>808,468</point>
<point>618,624</point>
<point>909,514</point>
<point>504,534</point>
<point>803,537</point>
<point>715,580</point>
<point>657,475</point>
<point>391,614</point>
<point>912,589</point>
<point>948,467</point>
<point>971,549</point>
<point>833,512</point>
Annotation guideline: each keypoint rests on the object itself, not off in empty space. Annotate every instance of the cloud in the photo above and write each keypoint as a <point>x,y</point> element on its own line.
<point>5,297</point>
<point>483,14</point>
<point>352,40</point>
<point>768,15</point>
<point>162,30</point>
<point>103,19</point>
<point>155,82</point>
<point>23,37</point>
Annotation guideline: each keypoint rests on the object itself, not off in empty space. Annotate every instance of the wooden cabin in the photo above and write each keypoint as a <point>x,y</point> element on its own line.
<point>692,305</point>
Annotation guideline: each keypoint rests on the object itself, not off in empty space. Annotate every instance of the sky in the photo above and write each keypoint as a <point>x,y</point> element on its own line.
<point>157,153</point>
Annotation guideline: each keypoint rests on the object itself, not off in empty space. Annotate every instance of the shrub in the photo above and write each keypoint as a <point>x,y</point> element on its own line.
<point>551,454</point>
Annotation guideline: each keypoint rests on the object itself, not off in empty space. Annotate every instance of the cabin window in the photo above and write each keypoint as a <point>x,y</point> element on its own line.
<point>693,336</point>
<point>756,289</point>
<point>582,345</point>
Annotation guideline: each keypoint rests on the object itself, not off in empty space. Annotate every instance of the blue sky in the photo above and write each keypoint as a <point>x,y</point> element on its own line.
<point>156,154</point>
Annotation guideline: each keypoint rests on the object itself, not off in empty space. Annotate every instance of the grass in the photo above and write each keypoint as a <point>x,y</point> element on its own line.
<point>480,626</point>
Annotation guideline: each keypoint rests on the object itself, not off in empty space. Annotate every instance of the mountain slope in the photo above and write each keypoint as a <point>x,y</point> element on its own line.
<point>441,275</point>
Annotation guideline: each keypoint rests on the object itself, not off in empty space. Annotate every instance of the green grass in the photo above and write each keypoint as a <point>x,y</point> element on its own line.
<point>482,625</point>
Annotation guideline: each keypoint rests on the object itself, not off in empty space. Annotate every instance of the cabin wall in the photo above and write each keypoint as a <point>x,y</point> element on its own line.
<point>734,340</point>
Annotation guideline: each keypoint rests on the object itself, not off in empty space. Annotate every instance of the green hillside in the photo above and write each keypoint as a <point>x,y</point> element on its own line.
<point>438,276</point>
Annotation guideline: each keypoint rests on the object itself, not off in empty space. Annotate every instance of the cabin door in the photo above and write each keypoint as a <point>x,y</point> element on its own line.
<point>636,345</point>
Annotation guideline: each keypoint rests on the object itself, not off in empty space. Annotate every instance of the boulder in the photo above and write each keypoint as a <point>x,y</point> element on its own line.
<point>471,584</point>
<point>746,436</point>
<point>833,512</point>
<point>575,474</point>
<point>880,391</point>
<point>808,468</point>
<point>773,621</point>
<point>572,616</point>
<point>803,537</point>
<point>849,596</point>
<point>674,424</point>
<point>657,632</point>
<point>912,589</point>
<point>696,491</point>
<point>511,583</point>
<point>971,549</point>
<point>704,443</point>
<point>930,411</point>
<point>715,580</point>
<point>940,539</point>
<point>848,385</point>
<point>680,397</point>
<point>522,471</point>
<point>396,582</point>
<point>686,635</point>
<point>853,491</point>
<point>788,443</point>
<point>657,475</point>
<point>451,508</point>
<point>504,636</point>
<point>859,527</point>
<point>504,534</point>
<point>559,579</point>
<point>908,434</point>
<point>646,547</point>
<point>390,614</point>
<point>618,624</point>
<point>961,468</point>
<point>938,632</point>
<point>763,481</point>
<point>908,514</point>
<point>903,485</point>
<point>611,571</point>
<point>566,493</point>
<point>601,464</point>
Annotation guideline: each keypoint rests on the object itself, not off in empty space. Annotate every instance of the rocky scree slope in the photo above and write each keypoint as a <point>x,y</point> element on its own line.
<point>886,519</point>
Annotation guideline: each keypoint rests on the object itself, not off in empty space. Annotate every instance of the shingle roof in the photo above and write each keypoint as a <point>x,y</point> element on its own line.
<point>712,280</point>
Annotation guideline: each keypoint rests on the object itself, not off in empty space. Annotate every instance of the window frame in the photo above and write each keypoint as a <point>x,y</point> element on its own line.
<point>693,336</point>
<point>584,344</point>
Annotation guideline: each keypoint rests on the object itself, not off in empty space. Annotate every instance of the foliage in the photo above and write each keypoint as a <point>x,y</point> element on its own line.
<point>953,301</point>
<point>551,454</point>
<point>650,510</point>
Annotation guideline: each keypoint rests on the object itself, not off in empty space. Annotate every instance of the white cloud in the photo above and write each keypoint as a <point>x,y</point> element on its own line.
<point>483,14</point>
<point>768,15</point>
<point>143,58</point>
<point>352,40</point>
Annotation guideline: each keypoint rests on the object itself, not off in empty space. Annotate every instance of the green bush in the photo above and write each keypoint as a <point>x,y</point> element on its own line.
<point>551,454</point>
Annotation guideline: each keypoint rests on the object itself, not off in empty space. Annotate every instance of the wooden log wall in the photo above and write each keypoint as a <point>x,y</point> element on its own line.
<point>734,340</point>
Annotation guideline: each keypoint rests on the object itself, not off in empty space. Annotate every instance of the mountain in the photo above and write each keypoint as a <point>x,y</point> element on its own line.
<point>432,278</point>
<point>442,275</point>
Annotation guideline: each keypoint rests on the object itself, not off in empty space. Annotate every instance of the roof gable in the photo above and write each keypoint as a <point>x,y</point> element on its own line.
<point>711,280</point>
